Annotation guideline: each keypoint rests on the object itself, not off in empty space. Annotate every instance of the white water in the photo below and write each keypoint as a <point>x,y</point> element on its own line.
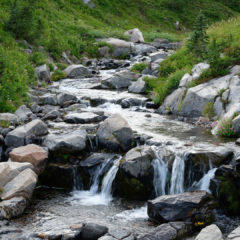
<point>178,170</point>
<point>93,197</point>
<point>160,176</point>
<point>137,213</point>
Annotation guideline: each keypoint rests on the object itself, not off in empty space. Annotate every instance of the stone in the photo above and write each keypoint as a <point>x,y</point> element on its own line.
<point>158,55</point>
<point>194,207</point>
<point>31,153</point>
<point>172,102</point>
<point>134,178</point>
<point>65,98</point>
<point>137,87</point>
<point>198,69</point>
<point>135,35</point>
<point>84,117</point>
<point>143,49</point>
<point>51,115</point>
<point>104,51</point>
<point>238,141</point>
<point>234,235</point>
<point>209,233</point>
<point>73,142</point>
<point>115,134</point>
<point>120,80</point>
<point>16,138</point>
<point>23,113</point>
<point>236,124</point>
<point>7,119</point>
<point>12,208</point>
<point>43,73</point>
<point>89,3</point>
<point>91,231</point>
<point>77,71</point>
<point>48,99</point>
<point>219,107</point>
<point>121,47</point>
<point>22,185</point>
<point>186,79</point>
<point>160,42</point>
<point>169,231</point>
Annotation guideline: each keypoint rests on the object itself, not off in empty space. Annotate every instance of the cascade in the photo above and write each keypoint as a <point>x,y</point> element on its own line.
<point>77,180</point>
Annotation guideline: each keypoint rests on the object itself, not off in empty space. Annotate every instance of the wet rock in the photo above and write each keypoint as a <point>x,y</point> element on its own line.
<point>169,231</point>
<point>7,119</point>
<point>51,115</point>
<point>31,153</point>
<point>130,102</point>
<point>194,207</point>
<point>209,233</point>
<point>160,42</point>
<point>137,87</point>
<point>23,113</point>
<point>115,134</point>
<point>120,80</point>
<point>143,49</point>
<point>74,142</point>
<point>16,138</point>
<point>48,99</point>
<point>12,208</point>
<point>236,124</point>
<point>77,71</point>
<point>134,178</point>
<point>66,99</point>
<point>106,237</point>
<point>84,117</point>
<point>238,141</point>
<point>135,35</point>
<point>91,231</point>
<point>35,108</point>
<point>43,73</point>
<point>234,235</point>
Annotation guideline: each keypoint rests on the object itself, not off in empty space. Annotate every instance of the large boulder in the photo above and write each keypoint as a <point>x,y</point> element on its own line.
<point>65,99</point>
<point>48,99</point>
<point>236,124</point>
<point>121,47</point>
<point>17,182</point>
<point>43,73</point>
<point>7,119</point>
<point>137,87</point>
<point>144,49</point>
<point>92,231</point>
<point>194,207</point>
<point>169,231</point>
<point>120,80</point>
<point>73,142</point>
<point>135,35</point>
<point>234,235</point>
<point>115,134</point>
<point>209,233</point>
<point>134,178</point>
<point>77,71</point>
<point>16,138</point>
<point>31,153</point>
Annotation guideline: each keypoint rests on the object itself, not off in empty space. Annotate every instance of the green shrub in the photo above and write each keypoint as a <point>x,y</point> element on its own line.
<point>58,74</point>
<point>139,67</point>
<point>61,66</point>
<point>208,110</point>
<point>38,58</point>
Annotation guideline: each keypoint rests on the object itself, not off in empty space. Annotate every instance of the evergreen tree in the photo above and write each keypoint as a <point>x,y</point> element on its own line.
<point>197,43</point>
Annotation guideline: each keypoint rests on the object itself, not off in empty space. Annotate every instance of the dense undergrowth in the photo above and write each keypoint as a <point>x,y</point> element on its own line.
<point>222,52</point>
<point>60,25</point>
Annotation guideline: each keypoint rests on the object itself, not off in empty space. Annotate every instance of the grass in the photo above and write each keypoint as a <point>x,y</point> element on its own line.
<point>139,67</point>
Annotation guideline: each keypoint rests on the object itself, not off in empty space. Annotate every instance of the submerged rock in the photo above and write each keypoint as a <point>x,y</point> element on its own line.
<point>134,178</point>
<point>194,207</point>
<point>31,153</point>
<point>169,231</point>
<point>209,233</point>
<point>115,134</point>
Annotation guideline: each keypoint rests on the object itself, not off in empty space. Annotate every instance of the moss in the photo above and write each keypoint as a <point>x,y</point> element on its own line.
<point>4,124</point>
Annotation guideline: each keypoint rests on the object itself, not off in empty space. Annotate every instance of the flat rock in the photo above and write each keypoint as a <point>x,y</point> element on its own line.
<point>84,117</point>
<point>31,153</point>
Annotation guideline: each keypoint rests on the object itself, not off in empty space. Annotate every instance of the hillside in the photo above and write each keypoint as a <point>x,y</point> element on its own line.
<point>62,25</point>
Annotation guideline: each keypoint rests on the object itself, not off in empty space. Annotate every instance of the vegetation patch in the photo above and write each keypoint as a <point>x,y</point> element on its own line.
<point>139,67</point>
<point>208,110</point>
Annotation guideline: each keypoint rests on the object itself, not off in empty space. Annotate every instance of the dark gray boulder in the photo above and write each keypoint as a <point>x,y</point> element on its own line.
<point>91,231</point>
<point>194,207</point>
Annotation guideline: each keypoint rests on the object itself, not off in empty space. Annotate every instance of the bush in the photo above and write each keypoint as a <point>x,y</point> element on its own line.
<point>139,67</point>
<point>16,73</point>
<point>225,128</point>
<point>38,58</point>
<point>58,74</point>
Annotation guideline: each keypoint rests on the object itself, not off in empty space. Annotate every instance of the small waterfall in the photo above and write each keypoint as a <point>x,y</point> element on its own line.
<point>98,174</point>
<point>178,170</point>
<point>108,180</point>
<point>77,180</point>
<point>160,176</point>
